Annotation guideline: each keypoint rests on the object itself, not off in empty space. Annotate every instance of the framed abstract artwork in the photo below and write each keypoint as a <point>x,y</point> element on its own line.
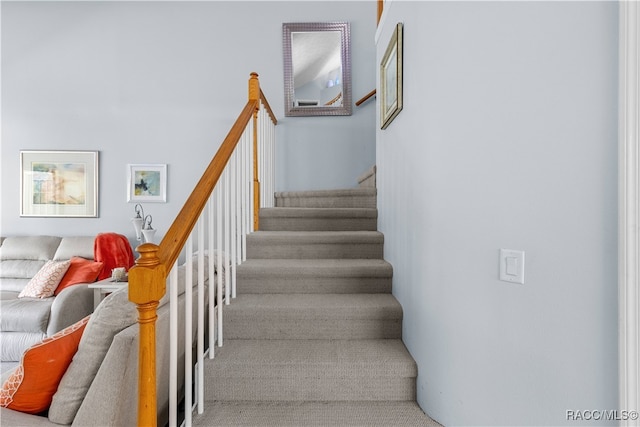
<point>147,183</point>
<point>391,79</point>
<point>59,184</point>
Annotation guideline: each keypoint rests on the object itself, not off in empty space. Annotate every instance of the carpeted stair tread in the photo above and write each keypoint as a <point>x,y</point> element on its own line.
<point>312,358</point>
<point>346,198</point>
<point>314,276</point>
<point>319,219</point>
<point>314,414</point>
<point>343,192</point>
<point>315,244</point>
<point>291,306</point>
<point>290,237</point>
<point>311,267</point>
<point>295,212</point>
<point>311,370</point>
<point>313,316</point>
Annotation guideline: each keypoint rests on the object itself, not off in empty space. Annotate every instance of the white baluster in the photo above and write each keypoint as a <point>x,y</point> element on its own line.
<point>188,332</point>
<point>200,344</point>
<point>212,280</point>
<point>219,273</point>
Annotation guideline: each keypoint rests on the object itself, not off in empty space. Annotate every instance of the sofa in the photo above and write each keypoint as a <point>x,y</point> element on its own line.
<point>26,321</point>
<point>99,387</point>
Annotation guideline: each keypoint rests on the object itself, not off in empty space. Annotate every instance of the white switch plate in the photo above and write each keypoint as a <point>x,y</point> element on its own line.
<point>512,266</point>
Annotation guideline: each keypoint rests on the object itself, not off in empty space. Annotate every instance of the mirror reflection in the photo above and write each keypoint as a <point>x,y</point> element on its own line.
<point>317,69</point>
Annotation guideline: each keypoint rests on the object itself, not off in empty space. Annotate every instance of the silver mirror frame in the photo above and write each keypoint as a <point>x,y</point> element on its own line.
<point>345,36</point>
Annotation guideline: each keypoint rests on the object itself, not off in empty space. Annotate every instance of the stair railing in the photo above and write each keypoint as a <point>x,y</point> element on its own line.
<point>365,98</point>
<point>225,205</point>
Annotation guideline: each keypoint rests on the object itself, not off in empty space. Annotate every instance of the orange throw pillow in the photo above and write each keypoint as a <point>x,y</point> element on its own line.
<point>80,271</point>
<point>34,382</point>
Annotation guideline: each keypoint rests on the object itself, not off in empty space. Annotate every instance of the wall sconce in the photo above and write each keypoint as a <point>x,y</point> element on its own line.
<point>142,225</point>
<point>138,221</point>
<point>147,231</point>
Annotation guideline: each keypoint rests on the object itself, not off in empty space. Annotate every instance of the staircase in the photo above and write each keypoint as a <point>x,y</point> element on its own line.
<point>314,336</point>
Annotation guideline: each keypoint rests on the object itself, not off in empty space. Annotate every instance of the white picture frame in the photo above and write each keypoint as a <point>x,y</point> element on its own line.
<point>147,183</point>
<point>58,183</point>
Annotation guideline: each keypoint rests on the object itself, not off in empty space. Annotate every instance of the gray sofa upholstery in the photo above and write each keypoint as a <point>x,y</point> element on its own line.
<point>111,399</point>
<point>26,321</point>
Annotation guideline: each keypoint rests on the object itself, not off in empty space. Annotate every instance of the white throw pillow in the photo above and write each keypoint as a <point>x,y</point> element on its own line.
<point>45,282</point>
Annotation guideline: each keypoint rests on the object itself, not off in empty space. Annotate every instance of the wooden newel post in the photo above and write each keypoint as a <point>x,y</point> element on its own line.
<point>254,95</point>
<point>147,283</point>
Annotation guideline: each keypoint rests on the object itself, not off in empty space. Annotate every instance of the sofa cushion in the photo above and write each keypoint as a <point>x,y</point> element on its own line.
<point>45,282</point>
<point>10,294</point>
<point>32,385</point>
<point>20,268</point>
<point>80,271</point>
<point>69,247</point>
<point>14,344</point>
<point>15,274</point>
<point>114,314</point>
<point>25,314</point>
<point>29,247</point>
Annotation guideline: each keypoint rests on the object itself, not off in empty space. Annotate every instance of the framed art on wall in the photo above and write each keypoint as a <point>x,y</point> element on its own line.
<point>147,183</point>
<point>391,79</point>
<point>59,183</point>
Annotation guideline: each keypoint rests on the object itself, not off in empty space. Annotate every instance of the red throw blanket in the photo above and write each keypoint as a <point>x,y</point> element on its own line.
<point>113,250</point>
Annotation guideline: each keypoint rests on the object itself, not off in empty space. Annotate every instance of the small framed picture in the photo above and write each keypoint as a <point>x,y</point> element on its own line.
<point>391,79</point>
<point>59,183</point>
<point>147,183</point>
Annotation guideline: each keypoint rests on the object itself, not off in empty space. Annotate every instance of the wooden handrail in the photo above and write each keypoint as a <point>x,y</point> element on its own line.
<point>334,100</point>
<point>268,108</point>
<point>177,235</point>
<point>364,98</point>
<point>147,279</point>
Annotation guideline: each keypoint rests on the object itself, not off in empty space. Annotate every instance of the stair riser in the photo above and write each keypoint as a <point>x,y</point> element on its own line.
<point>318,224</point>
<point>346,388</point>
<point>312,285</point>
<point>269,250</point>
<point>277,328</point>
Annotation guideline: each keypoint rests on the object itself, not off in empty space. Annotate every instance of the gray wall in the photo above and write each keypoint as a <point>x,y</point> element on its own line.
<point>507,139</point>
<point>162,82</point>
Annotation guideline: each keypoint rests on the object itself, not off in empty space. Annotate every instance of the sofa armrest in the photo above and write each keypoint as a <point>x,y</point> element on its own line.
<point>72,304</point>
<point>106,403</point>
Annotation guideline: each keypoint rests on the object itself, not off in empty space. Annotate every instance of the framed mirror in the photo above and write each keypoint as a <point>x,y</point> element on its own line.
<point>317,68</point>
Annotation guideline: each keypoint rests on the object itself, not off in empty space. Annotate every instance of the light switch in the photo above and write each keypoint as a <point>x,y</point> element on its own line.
<point>512,266</point>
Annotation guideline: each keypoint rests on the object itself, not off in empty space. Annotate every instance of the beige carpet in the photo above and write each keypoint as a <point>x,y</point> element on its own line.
<point>301,414</point>
<point>314,337</point>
